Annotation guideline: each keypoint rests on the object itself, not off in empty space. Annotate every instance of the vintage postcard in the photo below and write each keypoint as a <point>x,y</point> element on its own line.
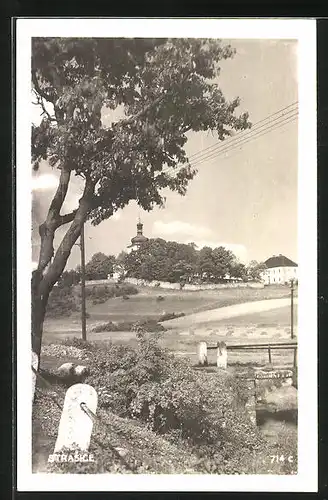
<point>166,255</point>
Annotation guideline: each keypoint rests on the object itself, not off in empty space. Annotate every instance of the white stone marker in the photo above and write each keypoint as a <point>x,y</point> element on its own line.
<point>222,355</point>
<point>35,364</point>
<point>75,426</point>
<point>202,353</point>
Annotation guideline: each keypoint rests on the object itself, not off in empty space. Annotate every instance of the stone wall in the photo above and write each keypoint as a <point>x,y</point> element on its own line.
<point>176,286</point>
<point>204,286</point>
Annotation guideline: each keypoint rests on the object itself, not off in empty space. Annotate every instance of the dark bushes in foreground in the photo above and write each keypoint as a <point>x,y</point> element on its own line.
<point>203,415</point>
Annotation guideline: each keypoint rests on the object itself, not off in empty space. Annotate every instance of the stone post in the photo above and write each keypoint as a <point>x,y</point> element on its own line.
<point>75,426</point>
<point>202,353</point>
<point>222,355</point>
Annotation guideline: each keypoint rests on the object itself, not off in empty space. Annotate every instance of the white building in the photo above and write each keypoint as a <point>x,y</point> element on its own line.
<point>280,270</point>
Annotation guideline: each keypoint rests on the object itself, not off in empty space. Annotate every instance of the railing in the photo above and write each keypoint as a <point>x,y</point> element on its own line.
<point>222,351</point>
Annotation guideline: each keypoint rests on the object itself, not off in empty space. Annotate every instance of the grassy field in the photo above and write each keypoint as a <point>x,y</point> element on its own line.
<point>268,326</point>
<point>258,327</point>
<point>146,304</point>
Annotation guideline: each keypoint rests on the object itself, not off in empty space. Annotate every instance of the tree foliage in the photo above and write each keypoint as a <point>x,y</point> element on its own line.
<point>175,262</point>
<point>255,269</point>
<point>100,266</point>
<point>161,88</point>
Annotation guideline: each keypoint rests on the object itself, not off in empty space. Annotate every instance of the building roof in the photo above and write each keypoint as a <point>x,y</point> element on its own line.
<point>279,261</point>
<point>140,238</point>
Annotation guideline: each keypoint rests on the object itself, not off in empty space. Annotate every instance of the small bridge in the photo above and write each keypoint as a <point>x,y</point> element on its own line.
<point>254,376</point>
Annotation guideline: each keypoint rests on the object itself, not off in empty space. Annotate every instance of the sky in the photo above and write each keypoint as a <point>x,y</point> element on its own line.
<point>245,199</point>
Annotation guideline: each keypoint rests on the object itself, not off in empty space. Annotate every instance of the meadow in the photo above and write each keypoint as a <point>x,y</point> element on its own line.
<point>259,327</point>
<point>171,452</point>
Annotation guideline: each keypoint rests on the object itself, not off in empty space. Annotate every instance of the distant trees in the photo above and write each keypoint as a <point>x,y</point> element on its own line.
<point>182,263</point>
<point>69,278</point>
<point>161,260</point>
<point>100,266</point>
<point>255,269</point>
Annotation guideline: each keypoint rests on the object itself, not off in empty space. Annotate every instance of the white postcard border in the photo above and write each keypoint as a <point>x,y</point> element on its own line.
<point>305,32</point>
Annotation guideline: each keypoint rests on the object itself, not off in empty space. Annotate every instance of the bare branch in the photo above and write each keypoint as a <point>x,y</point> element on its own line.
<point>41,92</point>
<point>66,218</point>
<point>41,103</point>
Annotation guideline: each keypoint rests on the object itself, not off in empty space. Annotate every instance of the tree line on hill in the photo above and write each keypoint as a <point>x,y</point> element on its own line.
<point>160,260</point>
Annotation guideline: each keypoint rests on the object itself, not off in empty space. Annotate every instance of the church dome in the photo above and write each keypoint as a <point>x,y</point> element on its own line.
<point>140,238</point>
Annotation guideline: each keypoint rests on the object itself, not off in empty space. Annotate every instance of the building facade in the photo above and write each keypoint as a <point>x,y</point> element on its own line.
<point>280,270</point>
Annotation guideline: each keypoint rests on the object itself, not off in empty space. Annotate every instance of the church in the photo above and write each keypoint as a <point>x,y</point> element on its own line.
<point>138,240</point>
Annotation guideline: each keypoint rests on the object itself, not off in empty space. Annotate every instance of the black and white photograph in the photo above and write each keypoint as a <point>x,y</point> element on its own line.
<point>166,254</point>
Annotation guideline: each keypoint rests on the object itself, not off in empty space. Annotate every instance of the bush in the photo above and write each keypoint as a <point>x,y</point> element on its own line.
<point>200,412</point>
<point>160,298</point>
<point>61,302</point>
<point>168,316</point>
<point>152,385</point>
<point>127,326</point>
<point>99,294</point>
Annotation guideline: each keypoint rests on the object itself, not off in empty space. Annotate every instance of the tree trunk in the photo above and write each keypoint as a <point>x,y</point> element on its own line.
<point>43,280</point>
<point>39,299</point>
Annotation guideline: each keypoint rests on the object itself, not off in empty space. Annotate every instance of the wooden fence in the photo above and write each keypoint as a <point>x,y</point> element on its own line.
<point>223,349</point>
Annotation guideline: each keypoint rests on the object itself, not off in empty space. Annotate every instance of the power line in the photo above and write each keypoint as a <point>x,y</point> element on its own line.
<point>243,134</point>
<point>225,149</point>
<point>245,140</point>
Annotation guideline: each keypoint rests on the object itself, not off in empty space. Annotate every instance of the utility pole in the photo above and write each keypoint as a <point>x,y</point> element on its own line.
<point>83,309</point>
<point>292,308</point>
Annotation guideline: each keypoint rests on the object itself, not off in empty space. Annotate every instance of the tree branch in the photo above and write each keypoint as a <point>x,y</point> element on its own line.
<point>60,195</point>
<point>41,92</point>
<point>73,232</point>
<point>41,103</point>
<point>65,219</point>
<point>143,111</point>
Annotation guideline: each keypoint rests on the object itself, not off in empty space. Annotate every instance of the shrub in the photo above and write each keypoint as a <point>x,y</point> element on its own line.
<point>152,385</point>
<point>160,298</point>
<point>168,316</point>
<point>99,294</point>
<point>203,412</point>
<point>61,302</point>
<point>127,326</point>
<point>105,327</point>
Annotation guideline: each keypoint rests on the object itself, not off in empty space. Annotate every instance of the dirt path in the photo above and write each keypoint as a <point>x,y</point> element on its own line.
<point>227,312</point>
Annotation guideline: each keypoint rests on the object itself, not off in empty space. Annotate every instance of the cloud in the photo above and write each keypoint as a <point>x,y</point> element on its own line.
<point>44,182</point>
<point>180,229</point>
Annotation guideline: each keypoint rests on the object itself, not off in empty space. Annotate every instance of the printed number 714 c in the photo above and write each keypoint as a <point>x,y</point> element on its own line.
<point>281,458</point>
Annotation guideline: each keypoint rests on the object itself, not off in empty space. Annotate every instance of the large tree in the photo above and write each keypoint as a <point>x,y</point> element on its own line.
<point>165,88</point>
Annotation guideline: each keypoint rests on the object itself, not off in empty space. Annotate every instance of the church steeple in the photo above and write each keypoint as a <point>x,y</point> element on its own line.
<point>139,239</point>
<point>139,227</point>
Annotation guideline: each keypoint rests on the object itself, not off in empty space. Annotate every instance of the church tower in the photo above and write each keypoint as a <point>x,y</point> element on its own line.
<point>138,240</point>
